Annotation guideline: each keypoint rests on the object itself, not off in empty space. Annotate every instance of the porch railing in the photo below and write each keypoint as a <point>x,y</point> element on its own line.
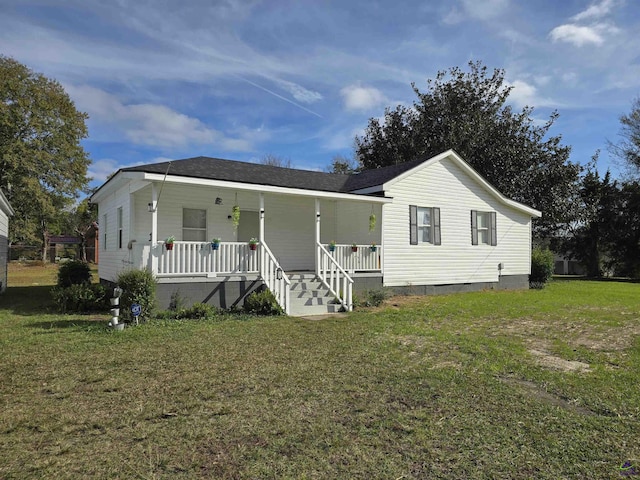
<point>334,277</point>
<point>199,258</point>
<point>363,258</point>
<point>274,277</point>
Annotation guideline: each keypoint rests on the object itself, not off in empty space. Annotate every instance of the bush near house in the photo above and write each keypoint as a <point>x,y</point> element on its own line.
<point>262,303</point>
<point>73,272</point>
<point>138,286</point>
<point>75,293</point>
<point>541,267</point>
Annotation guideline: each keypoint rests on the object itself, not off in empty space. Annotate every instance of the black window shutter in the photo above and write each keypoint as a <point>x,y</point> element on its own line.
<point>494,232</point>
<point>436,226</point>
<point>474,227</point>
<point>413,224</point>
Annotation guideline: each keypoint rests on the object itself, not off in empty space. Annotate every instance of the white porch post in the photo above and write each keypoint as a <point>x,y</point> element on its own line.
<point>317,236</point>
<point>153,256</point>
<point>261,233</point>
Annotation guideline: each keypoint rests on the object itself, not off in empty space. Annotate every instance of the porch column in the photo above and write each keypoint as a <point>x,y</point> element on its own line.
<point>317,256</point>
<point>153,257</point>
<point>261,233</point>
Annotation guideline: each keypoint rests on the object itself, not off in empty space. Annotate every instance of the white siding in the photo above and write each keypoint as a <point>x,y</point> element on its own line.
<point>111,258</point>
<point>4,249</point>
<point>353,223</point>
<point>443,184</point>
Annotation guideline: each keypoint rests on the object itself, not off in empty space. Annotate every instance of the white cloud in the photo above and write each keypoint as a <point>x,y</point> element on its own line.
<point>453,17</point>
<point>300,93</point>
<point>577,35</point>
<point>485,9</point>
<point>150,124</point>
<point>99,170</point>
<point>596,10</point>
<point>358,97</point>
<point>523,94</point>
<point>593,34</point>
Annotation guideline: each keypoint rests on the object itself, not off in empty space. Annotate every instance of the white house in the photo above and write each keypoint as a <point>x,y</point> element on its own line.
<point>437,225</point>
<point>5,212</point>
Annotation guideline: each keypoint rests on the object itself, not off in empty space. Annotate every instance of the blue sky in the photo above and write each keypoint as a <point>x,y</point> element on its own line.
<point>242,79</point>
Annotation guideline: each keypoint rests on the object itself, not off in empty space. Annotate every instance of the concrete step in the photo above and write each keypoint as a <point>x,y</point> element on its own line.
<point>309,296</point>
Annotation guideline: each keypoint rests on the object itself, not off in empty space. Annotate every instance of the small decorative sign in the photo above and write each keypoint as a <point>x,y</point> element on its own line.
<point>136,309</point>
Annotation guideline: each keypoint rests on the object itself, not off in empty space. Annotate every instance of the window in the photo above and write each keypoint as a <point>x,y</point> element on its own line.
<point>194,225</point>
<point>119,218</point>
<point>424,225</point>
<point>103,227</point>
<point>483,228</point>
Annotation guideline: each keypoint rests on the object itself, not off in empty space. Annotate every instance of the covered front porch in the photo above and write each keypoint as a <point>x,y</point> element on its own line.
<point>293,231</point>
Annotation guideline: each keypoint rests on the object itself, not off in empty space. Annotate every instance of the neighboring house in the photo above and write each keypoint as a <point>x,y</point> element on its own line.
<point>5,212</point>
<point>439,226</point>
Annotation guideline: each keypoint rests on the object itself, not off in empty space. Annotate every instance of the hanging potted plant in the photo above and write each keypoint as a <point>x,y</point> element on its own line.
<point>354,247</point>
<point>253,243</point>
<point>215,244</point>
<point>372,222</point>
<point>235,216</point>
<point>332,246</point>
<point>373,247</point>
<point>169,242</point>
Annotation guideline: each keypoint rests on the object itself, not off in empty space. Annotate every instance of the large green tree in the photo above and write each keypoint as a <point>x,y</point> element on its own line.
<point>628,147</point>
<point>468,112</point>
<point>43,166</point>
<point>590,235</point>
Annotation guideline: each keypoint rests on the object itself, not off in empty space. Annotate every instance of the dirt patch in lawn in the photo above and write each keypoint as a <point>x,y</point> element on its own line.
<point>580,334</point>
<point>551,361</point>
<point>536,391</point>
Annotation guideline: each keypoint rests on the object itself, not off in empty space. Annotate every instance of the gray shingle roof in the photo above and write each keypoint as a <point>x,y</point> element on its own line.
<point>254,173</point>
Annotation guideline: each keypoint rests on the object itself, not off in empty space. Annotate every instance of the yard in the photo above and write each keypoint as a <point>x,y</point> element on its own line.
<point>527,384</point>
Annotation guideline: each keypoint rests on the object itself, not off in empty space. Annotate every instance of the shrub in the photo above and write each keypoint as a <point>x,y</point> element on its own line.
<point>73,272</point>
<point>374,298</point>
<point>198,311</point>
<point>81,298</point>
<point>138,286</point>
<point>177,301</point>
<point>541,267</point>
<point>262,303</point>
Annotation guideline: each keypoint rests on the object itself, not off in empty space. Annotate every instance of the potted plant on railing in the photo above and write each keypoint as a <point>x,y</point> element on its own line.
<point>253,243</point>
<point>354,247</point>
<point>373,247</point>
<point>332,246</point>
<point>215,244</point>
<point>169,242</point>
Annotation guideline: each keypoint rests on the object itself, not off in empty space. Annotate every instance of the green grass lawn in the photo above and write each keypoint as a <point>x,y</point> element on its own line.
<point>528,384</point>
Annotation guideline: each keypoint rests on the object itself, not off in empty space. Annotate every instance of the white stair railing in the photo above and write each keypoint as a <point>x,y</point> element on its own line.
<point>334,277</point>
<point>274,277</point>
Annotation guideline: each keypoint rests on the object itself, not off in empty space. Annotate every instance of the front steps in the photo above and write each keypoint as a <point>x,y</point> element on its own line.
<point>309,296</point>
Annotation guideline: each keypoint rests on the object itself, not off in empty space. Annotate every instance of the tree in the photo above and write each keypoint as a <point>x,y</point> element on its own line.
<point>342,165</point>
<point>42,164</point>
<point>468,112</point>
<point>275,161</point>
<point>589,235</point>
<point>628,150</point>
<point>625,231</point>
<point>81,221</point>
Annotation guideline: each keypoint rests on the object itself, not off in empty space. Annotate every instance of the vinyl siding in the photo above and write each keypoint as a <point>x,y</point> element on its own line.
<point>4,249</point>
<point>445,185</point>
<point>114,259</point>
